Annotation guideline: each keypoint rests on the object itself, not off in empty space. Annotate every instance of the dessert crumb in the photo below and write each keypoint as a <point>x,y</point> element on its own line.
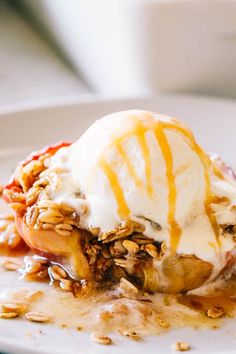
<point>11,264</point>
<point>101,338</point>
<point>8,315</point>
<point>131,335</point>
<point>215,327</point>
<point>215,312</point>
<point>28,335</point>
<point>37,317</point>
<point>34,295</point>
<point>163,323</point>
<point>181,346</point>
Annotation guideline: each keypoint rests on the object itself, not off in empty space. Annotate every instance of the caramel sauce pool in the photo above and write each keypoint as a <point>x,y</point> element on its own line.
<point>113,311</point>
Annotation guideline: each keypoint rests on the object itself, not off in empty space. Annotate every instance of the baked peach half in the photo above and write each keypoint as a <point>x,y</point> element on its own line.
<point>47,242</point>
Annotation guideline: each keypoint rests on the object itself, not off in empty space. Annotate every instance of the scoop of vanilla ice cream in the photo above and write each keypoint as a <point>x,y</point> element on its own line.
<point>145,167</point>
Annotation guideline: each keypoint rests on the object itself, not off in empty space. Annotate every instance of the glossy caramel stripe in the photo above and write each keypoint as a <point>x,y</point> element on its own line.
<point>207,164</point>
<point>158,128</point>
<point>139,131</point>
<point>122,207</point>
<point>175,230</point>
<point>218,173</point>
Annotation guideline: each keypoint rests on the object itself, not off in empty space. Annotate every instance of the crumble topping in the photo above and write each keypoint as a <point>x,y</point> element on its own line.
<point>122,252</point>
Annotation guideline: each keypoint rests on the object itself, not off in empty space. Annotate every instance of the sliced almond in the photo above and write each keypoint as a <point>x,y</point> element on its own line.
<point>57,273</point>
<point>130,246</point>
<point>8,315</point>
<point>34,295</point>
<point>32,267</point>
<point>66,284</point>
<point>151,250</point>
<point>11,264</point>
<point>37,317</point>
<point>101,338</point>
<point>10,308</point>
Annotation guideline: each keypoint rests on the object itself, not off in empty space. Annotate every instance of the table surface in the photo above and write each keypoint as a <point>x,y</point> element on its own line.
<point>29,69</point>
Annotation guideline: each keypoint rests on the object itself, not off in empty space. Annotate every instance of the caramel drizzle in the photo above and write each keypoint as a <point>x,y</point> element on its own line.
<point>139,129</point>
<point>175,230</point>
<point>207,164</point>
<point>218,173</point>
<point>122,207</point>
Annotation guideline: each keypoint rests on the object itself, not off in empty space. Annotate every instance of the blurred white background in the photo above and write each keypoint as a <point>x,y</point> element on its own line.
<point>51,48</point>
<point>30,69</point>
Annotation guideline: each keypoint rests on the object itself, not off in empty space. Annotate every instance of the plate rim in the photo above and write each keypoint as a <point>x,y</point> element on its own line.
<point>88,99</point>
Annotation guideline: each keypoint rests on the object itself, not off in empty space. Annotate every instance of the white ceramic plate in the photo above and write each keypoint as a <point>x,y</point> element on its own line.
<point>21,130</point>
